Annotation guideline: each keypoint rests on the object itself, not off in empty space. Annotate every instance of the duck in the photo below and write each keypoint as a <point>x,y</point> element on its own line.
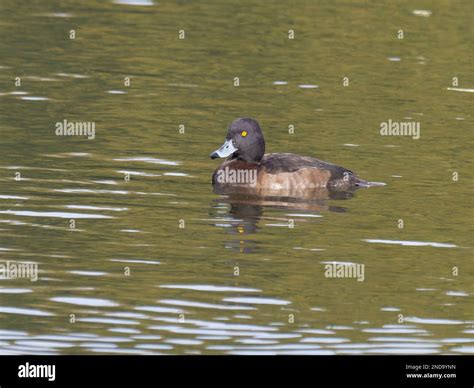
<point>248,169</point>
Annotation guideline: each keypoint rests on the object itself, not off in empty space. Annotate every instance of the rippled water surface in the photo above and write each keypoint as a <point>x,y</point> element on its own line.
<point>158,263</point>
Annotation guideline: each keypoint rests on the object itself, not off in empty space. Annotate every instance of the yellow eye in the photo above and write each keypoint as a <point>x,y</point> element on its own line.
<point>244,133</point>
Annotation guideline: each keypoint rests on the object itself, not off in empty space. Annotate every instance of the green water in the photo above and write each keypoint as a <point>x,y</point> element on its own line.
<point>236,278</point>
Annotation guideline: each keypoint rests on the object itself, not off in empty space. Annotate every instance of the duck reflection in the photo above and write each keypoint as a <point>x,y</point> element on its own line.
<point>240,213</point>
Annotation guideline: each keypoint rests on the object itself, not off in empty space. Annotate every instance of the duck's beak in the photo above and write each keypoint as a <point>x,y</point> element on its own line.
<point>226,149</point>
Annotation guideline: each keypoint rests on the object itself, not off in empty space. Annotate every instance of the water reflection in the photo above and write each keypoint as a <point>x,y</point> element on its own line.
<point>241,213</point>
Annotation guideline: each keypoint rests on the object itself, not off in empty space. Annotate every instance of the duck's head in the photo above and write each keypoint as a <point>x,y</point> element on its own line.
<point>244,141</point>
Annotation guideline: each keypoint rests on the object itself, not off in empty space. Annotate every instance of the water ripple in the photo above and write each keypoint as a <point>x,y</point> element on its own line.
<point>412,243</point>
<point>279,302</point>
<point>204,305</point>
<point>79,301</point>
<point>27,213</point>
<point>205,287</point>
<point>24,311</point>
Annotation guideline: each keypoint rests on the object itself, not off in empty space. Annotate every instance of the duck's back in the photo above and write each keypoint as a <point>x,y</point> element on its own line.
<point>280,170</point>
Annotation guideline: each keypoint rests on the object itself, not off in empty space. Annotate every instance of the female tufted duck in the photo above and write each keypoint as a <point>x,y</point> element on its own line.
<point>248,167</point>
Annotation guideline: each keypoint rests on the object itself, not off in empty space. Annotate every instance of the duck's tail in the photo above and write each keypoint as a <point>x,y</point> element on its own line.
<point>363,183</point>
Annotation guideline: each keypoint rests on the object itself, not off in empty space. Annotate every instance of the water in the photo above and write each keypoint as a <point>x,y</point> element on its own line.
<point>128,280</point>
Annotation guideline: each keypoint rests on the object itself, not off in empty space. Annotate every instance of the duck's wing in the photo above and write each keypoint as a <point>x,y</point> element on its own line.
<point>275,163</point>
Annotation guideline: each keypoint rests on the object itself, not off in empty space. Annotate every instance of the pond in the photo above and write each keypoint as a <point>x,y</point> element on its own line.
<point>134,251</point>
